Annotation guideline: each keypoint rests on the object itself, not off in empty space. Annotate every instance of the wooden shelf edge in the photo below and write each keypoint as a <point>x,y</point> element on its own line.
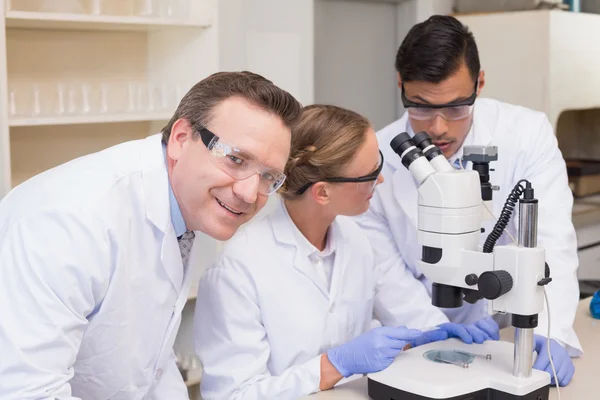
<point>89,119</point>
<point>42,20</point>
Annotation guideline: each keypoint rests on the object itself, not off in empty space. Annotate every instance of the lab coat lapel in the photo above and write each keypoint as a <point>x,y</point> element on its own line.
<point>482,122</point>
<point>156,199</point>
<point>403,184</point>
<point>340,259</point>
<point>283,229</point>
<point>405,192</point>
<point>306,267</point>
<point>171,259</point>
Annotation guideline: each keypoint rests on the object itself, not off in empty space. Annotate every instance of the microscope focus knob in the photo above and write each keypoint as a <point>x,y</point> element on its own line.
<point>493,284</point>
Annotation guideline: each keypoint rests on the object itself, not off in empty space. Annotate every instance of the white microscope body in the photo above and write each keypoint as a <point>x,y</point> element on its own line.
<point>452,207</point>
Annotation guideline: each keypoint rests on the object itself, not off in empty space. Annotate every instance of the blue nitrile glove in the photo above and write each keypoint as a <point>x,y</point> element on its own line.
<point>372,351</point>
<point>482,330</point>
<point>595,305</point>
<point>562,361</point>
<point>435,335</point>
<point>489,326</point>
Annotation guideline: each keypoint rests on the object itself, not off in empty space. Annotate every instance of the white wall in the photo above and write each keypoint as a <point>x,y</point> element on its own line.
<point>271,37</point>
<point>274,38</point>
<point>355,45</point>
<point>411,12</point>
<point>355,48</point>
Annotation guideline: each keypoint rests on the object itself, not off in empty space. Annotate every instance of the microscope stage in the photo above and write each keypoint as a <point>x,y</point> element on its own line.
<point>414,375</point>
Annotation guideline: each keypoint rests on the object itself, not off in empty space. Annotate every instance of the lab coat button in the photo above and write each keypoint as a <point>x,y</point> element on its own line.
<point>158,373</point>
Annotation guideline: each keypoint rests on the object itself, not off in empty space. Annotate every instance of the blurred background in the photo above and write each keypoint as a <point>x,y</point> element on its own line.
<point>77,76</point>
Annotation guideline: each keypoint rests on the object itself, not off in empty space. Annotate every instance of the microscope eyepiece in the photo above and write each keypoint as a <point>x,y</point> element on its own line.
<point>403,145</point>
<point>423,141</point>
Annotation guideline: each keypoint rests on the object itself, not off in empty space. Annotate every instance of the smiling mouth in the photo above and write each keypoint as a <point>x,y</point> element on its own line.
<point>225,206</point>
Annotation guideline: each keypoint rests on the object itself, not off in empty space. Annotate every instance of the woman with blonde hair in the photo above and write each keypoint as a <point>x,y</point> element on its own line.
<point>286,310</point>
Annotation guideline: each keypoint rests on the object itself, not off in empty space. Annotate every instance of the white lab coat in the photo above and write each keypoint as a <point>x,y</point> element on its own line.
<point>527,149</point>
<point>264,314</point>
<point>92,280</point>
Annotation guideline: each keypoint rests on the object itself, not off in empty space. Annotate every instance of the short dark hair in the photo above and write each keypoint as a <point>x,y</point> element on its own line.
<point>198,104</point>
<point>435,49</point>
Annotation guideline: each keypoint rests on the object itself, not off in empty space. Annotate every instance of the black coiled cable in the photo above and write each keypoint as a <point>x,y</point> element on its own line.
<point>507,210</point>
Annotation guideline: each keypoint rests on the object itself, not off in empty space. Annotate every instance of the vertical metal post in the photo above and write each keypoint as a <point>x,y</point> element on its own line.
<point>523,354</point>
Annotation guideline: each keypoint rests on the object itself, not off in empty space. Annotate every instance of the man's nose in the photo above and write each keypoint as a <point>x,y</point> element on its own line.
<point>247,189</point>
<point>438,126</point>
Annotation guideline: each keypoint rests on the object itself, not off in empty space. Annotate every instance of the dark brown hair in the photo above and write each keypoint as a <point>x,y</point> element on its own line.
<point>324,141</point>
<point>435,49</point>
<point>198,104</point>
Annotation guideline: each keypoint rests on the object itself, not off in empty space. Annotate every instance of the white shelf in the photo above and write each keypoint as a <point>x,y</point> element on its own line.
<point>38,20</point>
<point>89,119</point>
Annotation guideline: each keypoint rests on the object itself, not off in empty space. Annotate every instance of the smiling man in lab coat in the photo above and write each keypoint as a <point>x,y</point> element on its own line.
<point>440,80</point>
<point>94,253</point>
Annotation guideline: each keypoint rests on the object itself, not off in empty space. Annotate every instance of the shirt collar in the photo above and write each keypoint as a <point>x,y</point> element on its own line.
<point>306,247</point>
<point>176,216</point>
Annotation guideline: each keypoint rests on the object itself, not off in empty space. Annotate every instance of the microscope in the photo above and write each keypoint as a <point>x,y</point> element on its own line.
<point>453,204</point>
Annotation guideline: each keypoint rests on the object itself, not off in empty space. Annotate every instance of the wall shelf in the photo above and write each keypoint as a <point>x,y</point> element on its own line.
<point>39,20</point>
<point>89,119</point>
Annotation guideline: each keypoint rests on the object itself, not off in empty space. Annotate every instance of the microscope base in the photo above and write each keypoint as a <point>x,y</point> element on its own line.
<point>414,377</point>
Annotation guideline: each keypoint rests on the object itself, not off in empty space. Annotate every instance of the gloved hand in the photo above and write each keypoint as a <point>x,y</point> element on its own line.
<point>562,361</point>
<point>482,330</point>
<point>372,351</point>
<point>434,335</point>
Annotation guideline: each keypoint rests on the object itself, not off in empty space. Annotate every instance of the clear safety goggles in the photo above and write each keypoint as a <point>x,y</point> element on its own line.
<point>450,112</point>
<point>364,184</point>
<point>240,165</point>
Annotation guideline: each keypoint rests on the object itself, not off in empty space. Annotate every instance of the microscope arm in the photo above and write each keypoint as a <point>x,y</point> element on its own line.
<point>451,210</point>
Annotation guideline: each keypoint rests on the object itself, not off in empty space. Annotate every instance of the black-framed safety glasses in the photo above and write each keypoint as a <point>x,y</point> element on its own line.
<point>450,111</point>
<point>366,183</point>
<point>239,164</point>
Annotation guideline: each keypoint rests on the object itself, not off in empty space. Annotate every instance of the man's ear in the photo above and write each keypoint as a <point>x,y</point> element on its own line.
<point>181,132</point>
<point>320,192</point>
<point>399,80</point>
<point>481,81</point>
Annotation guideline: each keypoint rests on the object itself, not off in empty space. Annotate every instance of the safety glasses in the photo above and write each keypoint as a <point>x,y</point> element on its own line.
<point>450,111</point>
<point>365,184</point>
<point>240,165</point>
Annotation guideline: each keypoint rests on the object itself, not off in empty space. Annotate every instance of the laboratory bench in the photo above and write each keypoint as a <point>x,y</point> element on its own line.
<point>583,385</point>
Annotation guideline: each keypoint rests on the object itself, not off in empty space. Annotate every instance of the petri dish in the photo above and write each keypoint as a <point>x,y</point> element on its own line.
<point>449,356</point>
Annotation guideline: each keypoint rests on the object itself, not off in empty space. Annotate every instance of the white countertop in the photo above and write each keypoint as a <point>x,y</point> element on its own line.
<point>583,385</point>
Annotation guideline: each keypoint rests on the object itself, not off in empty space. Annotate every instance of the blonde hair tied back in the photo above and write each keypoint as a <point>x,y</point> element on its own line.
<point>324,141</point>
